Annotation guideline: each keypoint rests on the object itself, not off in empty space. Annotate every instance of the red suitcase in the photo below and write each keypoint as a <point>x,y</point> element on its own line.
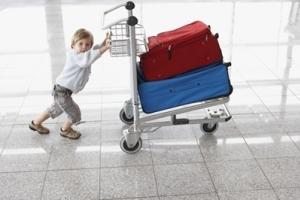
<point>184,49</point>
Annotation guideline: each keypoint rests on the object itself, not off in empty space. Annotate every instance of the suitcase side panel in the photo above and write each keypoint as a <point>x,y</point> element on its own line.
<point>204,84</point>
<point>181,58</point>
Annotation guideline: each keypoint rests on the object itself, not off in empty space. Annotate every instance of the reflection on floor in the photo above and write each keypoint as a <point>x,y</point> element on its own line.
<point>256,155</point>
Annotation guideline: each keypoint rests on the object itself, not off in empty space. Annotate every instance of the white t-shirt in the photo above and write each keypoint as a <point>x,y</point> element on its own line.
<point>77,69</point>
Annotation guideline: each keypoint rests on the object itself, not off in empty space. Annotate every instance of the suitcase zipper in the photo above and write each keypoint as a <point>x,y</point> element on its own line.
<point>169,52</point>
<point>171,47</point>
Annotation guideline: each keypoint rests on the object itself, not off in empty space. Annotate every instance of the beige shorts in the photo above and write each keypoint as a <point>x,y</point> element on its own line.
<point>63,102</point>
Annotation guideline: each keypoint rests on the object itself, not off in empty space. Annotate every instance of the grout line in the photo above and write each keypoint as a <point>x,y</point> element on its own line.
<point>261,169</point>
<point>153,167</point>
<point>206,165</point>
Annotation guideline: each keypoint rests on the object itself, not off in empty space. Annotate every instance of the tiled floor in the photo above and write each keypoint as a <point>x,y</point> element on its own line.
<point>256,155</point>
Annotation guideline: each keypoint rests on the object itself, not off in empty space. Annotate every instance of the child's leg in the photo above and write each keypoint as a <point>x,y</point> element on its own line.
<point>74,116</point>
<point>67,131</point>
<point>67,125</point>
<point>41,118</point>
<point>36,124</point>
<point>66,104</point>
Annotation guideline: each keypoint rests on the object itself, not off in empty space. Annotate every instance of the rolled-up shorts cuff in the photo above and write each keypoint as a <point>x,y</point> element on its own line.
<point>54,112</point>
<point>74,119</point>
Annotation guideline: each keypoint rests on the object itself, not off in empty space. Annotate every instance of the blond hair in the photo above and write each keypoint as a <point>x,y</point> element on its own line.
<point>82,34</point>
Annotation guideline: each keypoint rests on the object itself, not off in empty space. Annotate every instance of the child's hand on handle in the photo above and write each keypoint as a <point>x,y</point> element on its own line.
<point>105,44</point>
<point>106,41</point>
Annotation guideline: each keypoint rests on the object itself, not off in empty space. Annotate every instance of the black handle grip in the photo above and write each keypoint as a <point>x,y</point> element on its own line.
<point>132,21</point>
<point>217,35</point>
<point>227,64</point>
<point>129,5</point>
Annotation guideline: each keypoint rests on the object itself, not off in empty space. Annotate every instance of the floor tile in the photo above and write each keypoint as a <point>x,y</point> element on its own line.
<point>74,157</point>
<point>295,136</point>
<point>91,112</point>
<point>257,123</point>
<point>289,121</point>
<point>17,158</point>
<point>90,133</point>
<point>127,182</point>
<point>5,131</point>
<point>244,101</point>
<point>72,184</point>
<point>288,193</point>
<point>282,103</point>
<point>175,151</point>
<point>27,185</point>
<point>271,145</point>
<point>110,111</point>
<point>112,130</point>
<point>249,195</point>
<point>224,148</point>
<point>233,176</point>
<point>9,115</point>
<point>183,179</point>
<point>282,172</point>
<point>150,198</point>
<point>295,88</point>
<point>211,196</point>
<point>22,135</point>
<point>272,90</point>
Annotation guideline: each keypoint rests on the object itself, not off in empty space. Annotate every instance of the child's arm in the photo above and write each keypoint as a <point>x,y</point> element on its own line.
<point>105,44</point>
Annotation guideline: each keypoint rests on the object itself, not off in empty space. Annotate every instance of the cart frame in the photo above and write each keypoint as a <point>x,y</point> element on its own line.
<point>132,114</point>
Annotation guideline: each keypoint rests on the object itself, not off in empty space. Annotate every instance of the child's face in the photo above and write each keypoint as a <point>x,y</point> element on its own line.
<point>82,45</point>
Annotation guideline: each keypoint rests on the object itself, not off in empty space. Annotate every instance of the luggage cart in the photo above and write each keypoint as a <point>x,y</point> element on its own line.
<point>128,39</point>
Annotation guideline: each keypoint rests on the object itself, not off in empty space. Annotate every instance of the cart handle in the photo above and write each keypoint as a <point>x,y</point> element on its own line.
<point>128,5</point>
<point>131,21</point>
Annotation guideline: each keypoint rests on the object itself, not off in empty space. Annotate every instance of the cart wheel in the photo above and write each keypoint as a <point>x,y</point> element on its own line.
<point>131,150</point>
<point>124,118</point>
<point>209,129</point>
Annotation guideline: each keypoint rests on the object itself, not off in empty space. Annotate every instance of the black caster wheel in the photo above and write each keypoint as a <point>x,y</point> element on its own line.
<point>209,129</point>
<point>124,118</point>
<point>131,150</point>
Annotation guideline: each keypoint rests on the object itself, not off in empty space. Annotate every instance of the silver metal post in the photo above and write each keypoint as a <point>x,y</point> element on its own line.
<point>134,88</point>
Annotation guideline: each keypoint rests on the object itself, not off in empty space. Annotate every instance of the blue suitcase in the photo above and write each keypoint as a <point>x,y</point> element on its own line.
<point>196,86</point>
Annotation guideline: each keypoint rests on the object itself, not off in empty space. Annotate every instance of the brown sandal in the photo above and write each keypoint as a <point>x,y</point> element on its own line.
<point>39,128</point>
<point>70,133</point>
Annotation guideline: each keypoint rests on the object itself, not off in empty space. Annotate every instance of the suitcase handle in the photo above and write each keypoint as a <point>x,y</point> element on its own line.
<point>227,64</point>
<point>217,35</point>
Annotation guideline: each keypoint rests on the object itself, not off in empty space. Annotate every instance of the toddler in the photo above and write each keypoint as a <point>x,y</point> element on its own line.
<point>71,80</point>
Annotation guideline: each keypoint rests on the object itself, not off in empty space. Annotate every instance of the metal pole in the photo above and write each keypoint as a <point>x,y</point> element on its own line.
<point>134,88</point>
